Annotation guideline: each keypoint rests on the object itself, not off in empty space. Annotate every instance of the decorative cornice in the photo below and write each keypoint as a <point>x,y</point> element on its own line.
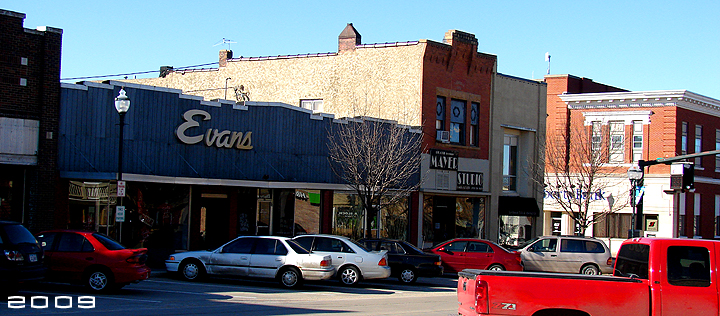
<point>643,99</point>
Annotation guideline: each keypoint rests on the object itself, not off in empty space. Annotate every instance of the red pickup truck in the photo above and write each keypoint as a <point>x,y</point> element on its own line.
<point>652,276</point>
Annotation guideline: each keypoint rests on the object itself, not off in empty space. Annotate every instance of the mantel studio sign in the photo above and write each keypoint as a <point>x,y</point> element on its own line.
<point>212,137</point>
<point>443,160</point>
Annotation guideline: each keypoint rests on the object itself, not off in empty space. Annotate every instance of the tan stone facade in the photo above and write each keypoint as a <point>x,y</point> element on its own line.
<point>372,81</point>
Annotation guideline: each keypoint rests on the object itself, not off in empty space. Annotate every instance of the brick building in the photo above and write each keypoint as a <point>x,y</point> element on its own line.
<point>646,125</point>
<point>447,88</point>
<point>29,109</point>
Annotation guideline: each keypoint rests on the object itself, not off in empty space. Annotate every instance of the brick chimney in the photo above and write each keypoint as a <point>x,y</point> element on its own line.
<point>224,56</point>
<point>348,39</point>
<point>455,36</point>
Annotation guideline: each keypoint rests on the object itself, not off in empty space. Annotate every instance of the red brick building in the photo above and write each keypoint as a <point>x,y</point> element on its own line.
<point>645,125</point>
<point>29,110</point>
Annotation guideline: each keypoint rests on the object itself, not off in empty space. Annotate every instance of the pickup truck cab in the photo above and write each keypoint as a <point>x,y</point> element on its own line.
<point>652,276</point>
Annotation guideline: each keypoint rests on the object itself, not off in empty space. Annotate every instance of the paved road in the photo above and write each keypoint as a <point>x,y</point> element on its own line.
<point>166,295</point>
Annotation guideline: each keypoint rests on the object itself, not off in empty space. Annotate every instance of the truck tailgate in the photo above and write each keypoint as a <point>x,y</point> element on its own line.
<point>482,292</point>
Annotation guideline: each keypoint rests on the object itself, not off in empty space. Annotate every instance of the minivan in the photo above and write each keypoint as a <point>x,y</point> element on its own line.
<point>567,254</point>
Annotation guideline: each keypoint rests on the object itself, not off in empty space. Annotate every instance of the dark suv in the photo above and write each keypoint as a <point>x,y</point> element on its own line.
<point>21,258</point>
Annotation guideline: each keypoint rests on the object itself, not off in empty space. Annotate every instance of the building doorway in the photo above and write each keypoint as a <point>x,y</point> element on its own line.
<point>214,225</point>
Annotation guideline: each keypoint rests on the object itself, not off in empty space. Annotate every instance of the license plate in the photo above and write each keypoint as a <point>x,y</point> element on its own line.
<point>33,257</point>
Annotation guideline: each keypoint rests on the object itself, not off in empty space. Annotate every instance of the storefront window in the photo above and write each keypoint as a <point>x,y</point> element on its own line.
<point>307,212</point>
<point>349,218</point>
<point>92,207</point>
<point>515,230</point>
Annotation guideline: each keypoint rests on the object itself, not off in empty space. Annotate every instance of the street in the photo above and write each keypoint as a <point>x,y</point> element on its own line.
<point>166,295</point>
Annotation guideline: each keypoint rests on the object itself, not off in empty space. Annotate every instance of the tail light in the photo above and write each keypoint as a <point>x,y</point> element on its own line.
<point>482,305</point>
<point>383,262</point>
<point>14,255</point>
<point>610,261</point>
<point>325,263</point>
<point>137,258</point>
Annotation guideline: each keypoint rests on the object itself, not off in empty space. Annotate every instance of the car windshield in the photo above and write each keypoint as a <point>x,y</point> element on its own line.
<point>17,234</point>
<point>525,244</point>
<point>107,242</point>
<point>297,248</point>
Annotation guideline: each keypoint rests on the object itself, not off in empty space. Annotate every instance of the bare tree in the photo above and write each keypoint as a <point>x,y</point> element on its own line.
<point>577,176</point>
<point>379,160</point>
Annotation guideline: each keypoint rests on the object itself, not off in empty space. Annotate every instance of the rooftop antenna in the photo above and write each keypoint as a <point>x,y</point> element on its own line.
<point>547,59</point>
<point>225,41</point>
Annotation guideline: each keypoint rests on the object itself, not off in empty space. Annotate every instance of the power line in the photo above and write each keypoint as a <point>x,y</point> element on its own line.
<point>135,73</point>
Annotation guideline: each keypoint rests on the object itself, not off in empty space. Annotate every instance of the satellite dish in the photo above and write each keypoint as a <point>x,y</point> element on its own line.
<point>225,41</point>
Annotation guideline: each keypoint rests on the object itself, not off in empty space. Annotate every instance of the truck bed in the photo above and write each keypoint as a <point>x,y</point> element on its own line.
<point>536,293</point>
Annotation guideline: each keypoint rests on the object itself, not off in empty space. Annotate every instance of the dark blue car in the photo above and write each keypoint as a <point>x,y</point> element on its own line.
<point>21,258</point>
<point>406,261</point>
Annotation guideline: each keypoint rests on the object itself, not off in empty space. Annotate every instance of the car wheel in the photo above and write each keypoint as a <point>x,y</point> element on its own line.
<point>349,275</point>
<point>590,270</point>
<point>99,280</point>
<point>290,277</point>
<point>407,275</point>
<point>496,267</point>
<point>192,270</point>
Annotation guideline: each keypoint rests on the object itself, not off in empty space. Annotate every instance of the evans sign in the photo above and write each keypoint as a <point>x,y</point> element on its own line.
<point>212,137</point>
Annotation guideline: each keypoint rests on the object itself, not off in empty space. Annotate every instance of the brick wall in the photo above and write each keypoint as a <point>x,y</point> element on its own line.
<point>30,85</point>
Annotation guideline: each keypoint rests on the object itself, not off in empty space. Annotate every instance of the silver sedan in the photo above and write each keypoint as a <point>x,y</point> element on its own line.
<point>353,261</point>
<point>253,256</point>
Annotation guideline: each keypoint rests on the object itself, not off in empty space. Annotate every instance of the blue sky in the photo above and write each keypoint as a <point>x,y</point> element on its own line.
<point>635,45</point>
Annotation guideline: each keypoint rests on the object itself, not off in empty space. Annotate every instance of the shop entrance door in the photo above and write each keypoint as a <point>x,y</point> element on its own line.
<point>444,218</point>
<point>215,210</point>
<point>264,218</point>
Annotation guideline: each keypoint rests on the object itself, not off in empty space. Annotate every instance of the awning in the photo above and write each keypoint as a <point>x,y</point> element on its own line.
<point>518,206</point>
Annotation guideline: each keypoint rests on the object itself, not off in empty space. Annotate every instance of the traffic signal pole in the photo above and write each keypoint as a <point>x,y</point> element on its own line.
<point>646,163</point>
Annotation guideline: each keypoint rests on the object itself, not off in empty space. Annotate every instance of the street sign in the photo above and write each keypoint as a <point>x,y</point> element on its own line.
<point>120,214</point>
<point>121,188</point>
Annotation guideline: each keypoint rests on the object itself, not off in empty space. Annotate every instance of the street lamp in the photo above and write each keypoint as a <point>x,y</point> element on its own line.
<point>122,105</point>
<point>635,174</point>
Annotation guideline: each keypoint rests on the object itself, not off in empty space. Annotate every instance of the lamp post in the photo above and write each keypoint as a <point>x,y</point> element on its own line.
<point>635,174</point>
<point>122,105</point>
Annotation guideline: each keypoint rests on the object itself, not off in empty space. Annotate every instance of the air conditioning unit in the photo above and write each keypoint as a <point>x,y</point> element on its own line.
<point>443,136</point>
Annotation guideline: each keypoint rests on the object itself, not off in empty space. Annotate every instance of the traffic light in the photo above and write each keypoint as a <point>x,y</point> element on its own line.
<point>688,177</point>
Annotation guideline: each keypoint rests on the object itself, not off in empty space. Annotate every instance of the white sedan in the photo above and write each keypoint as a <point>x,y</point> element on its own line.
<point>253,256</point>
<point>353,261</point>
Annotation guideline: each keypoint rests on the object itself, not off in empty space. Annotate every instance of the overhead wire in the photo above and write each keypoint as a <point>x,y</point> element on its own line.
<point>135,73</point>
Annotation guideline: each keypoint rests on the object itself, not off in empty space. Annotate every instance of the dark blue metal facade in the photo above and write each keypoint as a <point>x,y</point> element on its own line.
<point>289,144</point>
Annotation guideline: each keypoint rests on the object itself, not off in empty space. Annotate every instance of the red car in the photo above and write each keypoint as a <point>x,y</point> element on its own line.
<point>92,259</point>
<point>469,253</point>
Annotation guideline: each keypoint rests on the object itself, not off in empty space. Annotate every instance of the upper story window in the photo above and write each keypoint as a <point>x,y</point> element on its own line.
<point>717,147</point>
<point>510,152</point>
<point>457,122</point>
<point>617,142</point>
<point>315,105</point>
<point>683,138</point>
<point>698,145</point>
<point>440,120</point>
<point>474,121</point>
<point>637,141</point>
<point>596,137</point>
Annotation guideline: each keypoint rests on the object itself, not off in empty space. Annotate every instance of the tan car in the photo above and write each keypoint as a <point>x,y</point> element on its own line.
<point>567,254</point>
